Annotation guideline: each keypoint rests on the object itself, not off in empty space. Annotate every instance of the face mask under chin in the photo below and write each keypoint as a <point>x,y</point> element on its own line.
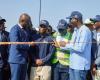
<point>62,31</point>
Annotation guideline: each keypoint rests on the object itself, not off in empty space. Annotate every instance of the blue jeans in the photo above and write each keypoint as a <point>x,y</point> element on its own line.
<point>60,72</point>
<point>18,71</point>
<point>77,74</point>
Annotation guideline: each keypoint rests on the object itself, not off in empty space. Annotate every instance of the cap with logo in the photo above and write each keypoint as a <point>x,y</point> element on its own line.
<point>44,22</point>
<point>75,14</point>
<point>62,24</point>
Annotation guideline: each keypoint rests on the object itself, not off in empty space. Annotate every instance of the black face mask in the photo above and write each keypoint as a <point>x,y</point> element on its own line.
<point>62,31</point>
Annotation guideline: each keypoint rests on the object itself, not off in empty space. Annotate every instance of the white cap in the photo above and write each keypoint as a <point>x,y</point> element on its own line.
<point>88,21</point>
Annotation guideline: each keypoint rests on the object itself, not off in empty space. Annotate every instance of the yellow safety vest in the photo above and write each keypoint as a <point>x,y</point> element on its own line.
<point>62,56</point>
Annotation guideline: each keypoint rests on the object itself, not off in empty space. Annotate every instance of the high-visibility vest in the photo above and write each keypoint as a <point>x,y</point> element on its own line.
<point>62,56</point>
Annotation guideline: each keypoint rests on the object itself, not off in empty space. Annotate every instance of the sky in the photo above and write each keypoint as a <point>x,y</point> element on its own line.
<point>52,10</point>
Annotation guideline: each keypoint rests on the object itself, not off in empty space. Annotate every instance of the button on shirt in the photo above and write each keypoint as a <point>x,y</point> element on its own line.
<point>80,49</point>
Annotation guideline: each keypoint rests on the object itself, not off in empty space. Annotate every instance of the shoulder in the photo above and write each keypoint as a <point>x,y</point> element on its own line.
<point>50,38</point>
<point>6,33</point>
<point>35,37</point>
<point>14,28</point>
<point>85,29</point>
<point>85,33</point>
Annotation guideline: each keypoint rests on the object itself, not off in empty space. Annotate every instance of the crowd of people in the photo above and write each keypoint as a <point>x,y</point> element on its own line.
<point>70,53</point>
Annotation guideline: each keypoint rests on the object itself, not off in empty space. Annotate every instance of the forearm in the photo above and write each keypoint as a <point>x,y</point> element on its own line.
<point>49,56</point>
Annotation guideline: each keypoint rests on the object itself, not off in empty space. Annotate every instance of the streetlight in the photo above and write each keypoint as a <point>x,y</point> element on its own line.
<point>40,12</point>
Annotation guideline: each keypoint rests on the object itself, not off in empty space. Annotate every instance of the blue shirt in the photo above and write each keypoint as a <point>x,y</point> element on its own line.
<point>80,49</point>
<point>44,51</point>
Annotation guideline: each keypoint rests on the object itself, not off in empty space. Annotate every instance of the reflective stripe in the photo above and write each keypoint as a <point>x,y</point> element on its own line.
<point>62,55</point>
<point>65,51</point>
<point>63,58</point>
